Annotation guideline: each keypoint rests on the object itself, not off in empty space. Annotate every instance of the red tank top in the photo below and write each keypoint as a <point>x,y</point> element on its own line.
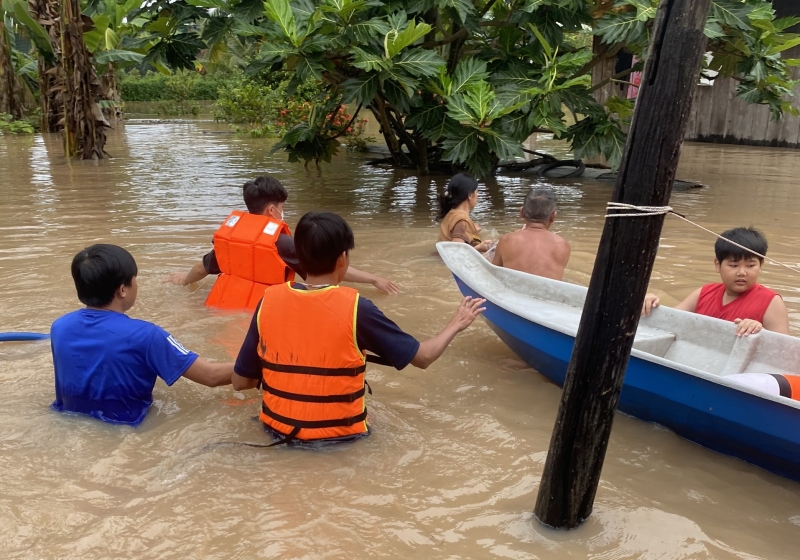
<point>750,305</point>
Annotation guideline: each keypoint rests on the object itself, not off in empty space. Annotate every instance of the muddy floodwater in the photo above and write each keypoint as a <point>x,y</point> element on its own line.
<point>454,462</point>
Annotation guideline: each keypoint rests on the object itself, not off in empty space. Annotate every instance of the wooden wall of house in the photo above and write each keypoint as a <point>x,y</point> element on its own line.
<point>718,115</point>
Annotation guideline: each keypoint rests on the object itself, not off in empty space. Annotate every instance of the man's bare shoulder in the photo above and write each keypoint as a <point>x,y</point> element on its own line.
<point>560,240</point>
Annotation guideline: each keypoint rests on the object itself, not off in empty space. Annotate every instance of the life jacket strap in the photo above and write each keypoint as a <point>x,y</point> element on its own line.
<point>287,438</point>
<point>314,424</point>
<point>309,370</point>
<point>349,397</point>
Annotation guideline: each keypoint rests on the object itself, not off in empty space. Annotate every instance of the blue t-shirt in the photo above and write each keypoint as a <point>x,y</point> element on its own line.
<point>106,364</point>
<point>374,332</point>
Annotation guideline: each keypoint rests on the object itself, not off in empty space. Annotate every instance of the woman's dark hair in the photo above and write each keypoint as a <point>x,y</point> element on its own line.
<point>320,237</point>
<point>457,190</point>
<point>99,270</point>
<point>746,237</point>
<point>261,192</point>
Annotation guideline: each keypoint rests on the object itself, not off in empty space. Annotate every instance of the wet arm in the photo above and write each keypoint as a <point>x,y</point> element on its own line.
<point>197,273</point>
<point>430,350</point>
<point>498,253</point>
<point>241,383</point>
<point>209,374</point>
<point>651,301</point>
<point>776,318</point>
<point>361,277</point>
<point>690,303</point>
<point>247,371</point>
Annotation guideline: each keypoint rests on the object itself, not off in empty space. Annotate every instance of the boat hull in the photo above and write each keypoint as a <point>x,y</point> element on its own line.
<point>760,431</point>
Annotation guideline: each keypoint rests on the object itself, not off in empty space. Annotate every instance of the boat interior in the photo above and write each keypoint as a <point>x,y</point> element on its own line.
<point>696,341</point>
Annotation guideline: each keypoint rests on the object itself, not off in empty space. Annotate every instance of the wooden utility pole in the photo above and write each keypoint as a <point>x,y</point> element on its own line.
<point>622,269</point>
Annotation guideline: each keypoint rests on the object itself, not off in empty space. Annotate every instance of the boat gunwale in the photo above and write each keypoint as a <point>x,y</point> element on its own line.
<point>444,247</point>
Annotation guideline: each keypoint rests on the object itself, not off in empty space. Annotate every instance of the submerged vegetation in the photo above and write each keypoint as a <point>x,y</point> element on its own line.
<point>10,125</point>
<point>451,83</point>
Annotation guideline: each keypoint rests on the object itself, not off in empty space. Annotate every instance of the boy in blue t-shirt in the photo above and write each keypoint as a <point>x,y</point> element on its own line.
<point>106,363</point>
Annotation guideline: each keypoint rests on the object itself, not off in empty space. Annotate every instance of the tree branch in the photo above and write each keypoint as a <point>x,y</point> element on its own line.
<point>460,34</point>
<point>540,154</point>
<point>348,124</point>
<point>597,60</point>
<point>613,78</point>
<point>486,8</point>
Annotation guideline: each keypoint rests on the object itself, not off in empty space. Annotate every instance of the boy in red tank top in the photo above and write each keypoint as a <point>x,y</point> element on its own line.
<point>738,298</point>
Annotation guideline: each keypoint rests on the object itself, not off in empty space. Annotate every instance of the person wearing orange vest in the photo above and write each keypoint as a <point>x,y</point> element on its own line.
<point>307,342</point>
<point>255,249</point>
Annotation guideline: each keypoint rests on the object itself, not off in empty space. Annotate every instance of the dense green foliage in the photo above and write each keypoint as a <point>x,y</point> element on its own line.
<point>8,125</point>
<point>181,85</point>
<point>466,82</point>
<point>452,83</point>
<point>264,107</point>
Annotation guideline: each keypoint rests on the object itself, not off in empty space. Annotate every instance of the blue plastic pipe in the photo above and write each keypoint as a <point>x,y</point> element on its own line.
<point>17,336</point>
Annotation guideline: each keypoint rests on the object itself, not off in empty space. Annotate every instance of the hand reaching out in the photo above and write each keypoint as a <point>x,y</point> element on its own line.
<point>651,301</point>
<point>177,278</point>
<point>386,285</point>
<point>467,312</point>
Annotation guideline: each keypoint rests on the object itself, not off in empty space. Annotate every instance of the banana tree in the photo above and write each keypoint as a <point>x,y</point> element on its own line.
<point>10,90</point>
<point>79,90</point>
<point>112,24</point>
<point>26,16</point>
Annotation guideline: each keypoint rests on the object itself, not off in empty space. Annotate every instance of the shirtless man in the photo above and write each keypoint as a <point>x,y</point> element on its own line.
<point>534,249</point>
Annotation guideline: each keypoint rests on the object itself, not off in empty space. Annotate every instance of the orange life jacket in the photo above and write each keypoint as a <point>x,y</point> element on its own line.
<point>312,369</point>
<point>249,260</point>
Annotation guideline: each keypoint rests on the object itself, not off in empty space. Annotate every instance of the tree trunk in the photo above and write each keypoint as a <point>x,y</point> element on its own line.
<point>10,91</point>
<point>45,12</point>
<point>110,91</point>
<point>379,109</point>
<point>622,269</point>
<point>83,121</point>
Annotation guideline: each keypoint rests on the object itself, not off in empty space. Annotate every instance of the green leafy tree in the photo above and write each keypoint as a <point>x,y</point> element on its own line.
<point>111,25</point>
<point>461,84</point>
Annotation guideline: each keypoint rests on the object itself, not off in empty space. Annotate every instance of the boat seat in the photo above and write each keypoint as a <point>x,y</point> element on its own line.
<point>653,341</point>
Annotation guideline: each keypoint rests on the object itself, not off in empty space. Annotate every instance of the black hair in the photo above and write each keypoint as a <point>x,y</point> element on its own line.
<point>457,191</point>
<point>539,205</point>
<point>99,270</point>
<point>746,237</point>
<point>320,237</point>
<point>261,192</point>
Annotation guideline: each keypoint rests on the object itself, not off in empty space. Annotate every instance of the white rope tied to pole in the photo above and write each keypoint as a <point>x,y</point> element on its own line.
<point>639,210</point>
<point>659,210</point>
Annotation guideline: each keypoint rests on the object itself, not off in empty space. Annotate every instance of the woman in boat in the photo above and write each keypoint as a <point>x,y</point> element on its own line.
<point>460,196</point>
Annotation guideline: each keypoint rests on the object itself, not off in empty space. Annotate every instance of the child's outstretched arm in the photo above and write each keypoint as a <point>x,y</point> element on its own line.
<point>361,277</point>
<point>651,301</point>
<point>430,350</point>
<point>197,273</point>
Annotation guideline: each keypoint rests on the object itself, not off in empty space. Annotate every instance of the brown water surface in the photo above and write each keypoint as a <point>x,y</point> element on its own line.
<point>453,466</point>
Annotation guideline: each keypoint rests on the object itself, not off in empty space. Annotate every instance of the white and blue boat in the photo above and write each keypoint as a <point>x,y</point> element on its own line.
<point>679,374</point>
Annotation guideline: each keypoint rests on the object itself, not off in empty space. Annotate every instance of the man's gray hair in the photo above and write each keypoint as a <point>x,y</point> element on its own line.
<point>539,205</point>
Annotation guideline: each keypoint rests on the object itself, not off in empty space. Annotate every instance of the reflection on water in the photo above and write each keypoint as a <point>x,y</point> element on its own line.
<point>453,466</point>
